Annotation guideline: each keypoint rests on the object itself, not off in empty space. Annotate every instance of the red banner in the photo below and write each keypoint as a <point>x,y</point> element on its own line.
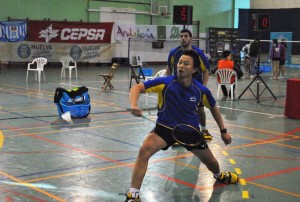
<point>69,32</point>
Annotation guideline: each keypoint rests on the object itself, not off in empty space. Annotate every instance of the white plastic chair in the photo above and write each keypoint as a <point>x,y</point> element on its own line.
<point>160,73</point>
<point>225,76</point>
<point>40,62</point>
<point>66,65</point>
<point>139,60</point>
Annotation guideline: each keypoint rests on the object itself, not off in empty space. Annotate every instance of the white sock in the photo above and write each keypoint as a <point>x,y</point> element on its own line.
<point>135,192</point>
<point>203,127</point>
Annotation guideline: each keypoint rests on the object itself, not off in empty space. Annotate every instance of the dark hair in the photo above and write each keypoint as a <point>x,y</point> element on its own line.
<point>188,31</point>
<point>275,41</point>
<point>226,53</point>
<point>195,57</point>
<point>283,43</point>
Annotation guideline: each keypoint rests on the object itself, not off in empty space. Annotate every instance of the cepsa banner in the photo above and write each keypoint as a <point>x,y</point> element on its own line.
<point>69,32</point>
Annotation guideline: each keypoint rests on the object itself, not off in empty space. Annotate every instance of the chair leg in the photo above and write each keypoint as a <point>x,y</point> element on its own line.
<point>231,89</point>
<point>36,76</point>
<point>39,76</point>
<point>44,76</point>
<point>146,100</point>
<point>219,86</point>
<point>70,73</point>
<point>236,93</point>
<point>27,76</point>
<point>76,71</point>
<point>62,71</point>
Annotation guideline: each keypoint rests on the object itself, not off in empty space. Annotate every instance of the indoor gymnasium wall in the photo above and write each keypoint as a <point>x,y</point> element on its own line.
<point>258,4</point>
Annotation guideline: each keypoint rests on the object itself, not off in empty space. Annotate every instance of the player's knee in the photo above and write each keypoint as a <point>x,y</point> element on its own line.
<point>145,152</point>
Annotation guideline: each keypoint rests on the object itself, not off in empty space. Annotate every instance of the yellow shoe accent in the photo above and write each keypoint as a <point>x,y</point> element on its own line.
<point>207,136</point>
<point>228,178</point>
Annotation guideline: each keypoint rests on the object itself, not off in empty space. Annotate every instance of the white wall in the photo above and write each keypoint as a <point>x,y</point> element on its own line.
<point>258,4</point>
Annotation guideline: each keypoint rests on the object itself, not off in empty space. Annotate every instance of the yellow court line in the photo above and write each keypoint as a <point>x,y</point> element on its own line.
<point>32,187</point>
<point>225,153</point>
<point>1,139</point>
<point>238,171</point>
<point>243,182</point>
<point>274,189</point>
<point>232,161</point>
<point>75,124</point>
<point>99,169</point>
<point>245,194</point>
<point>73,129</point>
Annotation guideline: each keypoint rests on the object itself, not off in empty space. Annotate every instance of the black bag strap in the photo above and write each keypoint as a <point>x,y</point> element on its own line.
<point>72,93</point>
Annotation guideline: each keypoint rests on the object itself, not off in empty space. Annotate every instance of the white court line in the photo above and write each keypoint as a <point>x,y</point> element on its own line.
<point>253,112</point>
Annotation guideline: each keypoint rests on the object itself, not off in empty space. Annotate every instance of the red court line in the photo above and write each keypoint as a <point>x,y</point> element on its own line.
<point>120,163</point>
<point>112,160</point>
<point>269,139</point>
<point>194,186</point>
<point>65,145</point>
<point>265,157</point>
<point>271,174</point>
<point>293,131</point>
<point>32,198</point>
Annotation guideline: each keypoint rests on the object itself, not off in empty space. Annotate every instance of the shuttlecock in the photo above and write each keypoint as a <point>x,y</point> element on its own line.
<point>67,117</point>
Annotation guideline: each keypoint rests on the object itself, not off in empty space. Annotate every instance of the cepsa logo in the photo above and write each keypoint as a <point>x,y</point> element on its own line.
<point>80,33</point>
<point>72,34</point>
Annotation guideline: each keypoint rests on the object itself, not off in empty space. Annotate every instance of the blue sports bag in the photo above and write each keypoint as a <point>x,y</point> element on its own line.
<point>76,101</point>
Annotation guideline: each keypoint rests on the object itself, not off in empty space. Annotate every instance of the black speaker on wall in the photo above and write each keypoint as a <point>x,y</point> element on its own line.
<point>182,15</point>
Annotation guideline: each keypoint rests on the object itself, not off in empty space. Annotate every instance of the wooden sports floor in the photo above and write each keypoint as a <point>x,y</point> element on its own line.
<point>46,159</point>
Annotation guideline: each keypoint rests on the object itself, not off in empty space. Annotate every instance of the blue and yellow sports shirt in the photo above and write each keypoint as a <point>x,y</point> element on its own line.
<point>177,104</point>
<point>176,53</point>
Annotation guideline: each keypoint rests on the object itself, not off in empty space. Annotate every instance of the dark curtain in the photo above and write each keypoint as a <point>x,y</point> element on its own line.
<point>281,20</point>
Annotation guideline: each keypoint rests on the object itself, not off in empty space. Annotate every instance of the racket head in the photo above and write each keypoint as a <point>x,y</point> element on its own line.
<point>187,135</point>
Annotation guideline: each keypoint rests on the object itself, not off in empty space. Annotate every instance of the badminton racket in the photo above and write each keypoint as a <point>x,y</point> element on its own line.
<point>184,134</point>
<point>187,135</point>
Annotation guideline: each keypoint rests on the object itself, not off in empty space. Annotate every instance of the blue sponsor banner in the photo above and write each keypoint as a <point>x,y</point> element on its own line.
<point>13,31</point>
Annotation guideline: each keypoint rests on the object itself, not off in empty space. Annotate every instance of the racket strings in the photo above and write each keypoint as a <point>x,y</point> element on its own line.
<point>187,135</point>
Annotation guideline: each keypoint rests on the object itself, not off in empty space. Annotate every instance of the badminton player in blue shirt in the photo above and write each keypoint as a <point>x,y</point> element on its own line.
<point>179,99</point>
<point>201,74</point>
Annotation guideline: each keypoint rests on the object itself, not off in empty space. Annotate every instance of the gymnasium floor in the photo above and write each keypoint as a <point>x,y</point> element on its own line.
<point>46,159</point>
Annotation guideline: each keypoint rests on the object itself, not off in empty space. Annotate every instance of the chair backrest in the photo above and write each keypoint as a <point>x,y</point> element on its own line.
<point>225,76</point>
<point>139,60</point>
<point>40,62</point>
<point>160,73</point>
<point>66,61</point>
<point>113,69</point>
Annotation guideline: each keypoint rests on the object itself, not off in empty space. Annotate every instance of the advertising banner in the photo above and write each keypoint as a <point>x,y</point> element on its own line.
<point>13,31</point>
<point>27,51</point>
<point>147,32</point>
<point>69,32</point>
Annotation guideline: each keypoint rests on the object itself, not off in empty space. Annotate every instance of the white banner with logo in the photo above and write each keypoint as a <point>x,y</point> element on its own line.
<point>147,32</point>
<point>27,51</point>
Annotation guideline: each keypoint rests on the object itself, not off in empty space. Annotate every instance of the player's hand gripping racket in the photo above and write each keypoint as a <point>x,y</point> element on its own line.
<point>138,112</point>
